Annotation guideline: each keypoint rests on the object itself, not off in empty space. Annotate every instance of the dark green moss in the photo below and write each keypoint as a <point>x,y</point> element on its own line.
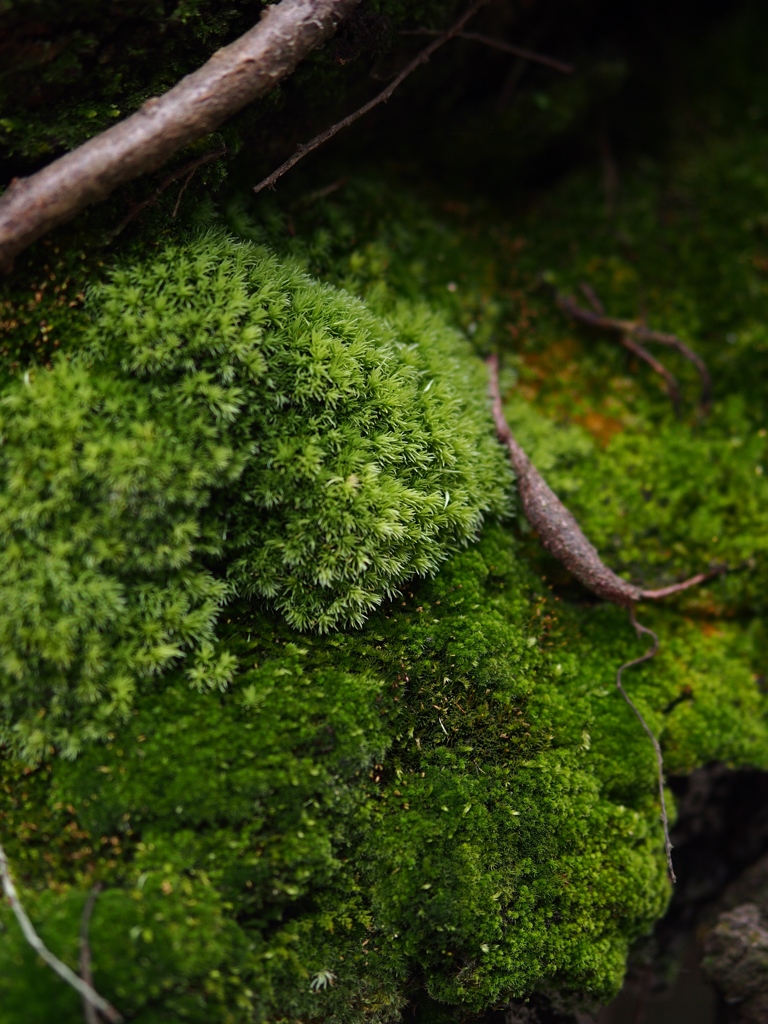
<point>457,793</point>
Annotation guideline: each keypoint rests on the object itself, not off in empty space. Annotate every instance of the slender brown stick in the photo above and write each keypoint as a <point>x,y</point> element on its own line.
<point>65,973</point>
<point>644,333</point>
<point>650,653</point>
<point>557,527</point>
<point>676,588</point>
<point>503,45</point>
<point>188,169</point>
<point>637,332</point>
<point>320,140</point>
<point>233,77</point>
<point>91,1017</point>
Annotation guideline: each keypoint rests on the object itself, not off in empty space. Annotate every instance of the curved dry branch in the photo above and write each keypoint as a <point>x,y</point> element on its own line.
<point>557,527</point>
<point>673,388</point>
<point>85,990</point>
<point>233,77</point>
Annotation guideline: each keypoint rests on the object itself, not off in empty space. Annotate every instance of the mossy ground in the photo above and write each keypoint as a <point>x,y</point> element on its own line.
<point>452,799</point>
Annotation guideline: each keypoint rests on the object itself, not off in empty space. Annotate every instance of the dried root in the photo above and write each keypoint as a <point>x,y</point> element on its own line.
<point>563,537</point>
<point>87,992</point>
<point>558,530</point>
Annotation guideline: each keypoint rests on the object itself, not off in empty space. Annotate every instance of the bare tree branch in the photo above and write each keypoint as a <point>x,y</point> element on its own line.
<point>383,96</point>
<point>503,45</point>
<point>65,973</point>
<point>233,77</point>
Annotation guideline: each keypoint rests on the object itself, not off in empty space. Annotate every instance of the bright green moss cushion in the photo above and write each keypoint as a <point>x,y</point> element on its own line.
<point>368,447</point>
<point>235,428</point>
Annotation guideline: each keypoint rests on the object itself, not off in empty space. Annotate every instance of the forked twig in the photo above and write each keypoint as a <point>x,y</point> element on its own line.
<point>650,653</point>
<point>86,990</point>
<point>421,58</point>
<point>635,347</point>
<point>673,388</point>
<point>500,44</point>
<point>638,333</point>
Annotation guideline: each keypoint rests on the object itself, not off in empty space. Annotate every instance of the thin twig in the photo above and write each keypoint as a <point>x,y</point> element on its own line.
<point>644,333</point>
<point>183,189</point>
<point>91,1016</point>
<point>235,75</point>
<point>321,193</point>
<point>638,332</point>
<point>383,96</point>
<point>676,588</point>
<point>650,653</point>
<point>500,44</point>
<point>188,169</point>
<point>592,298</point>
<point>65,973</point>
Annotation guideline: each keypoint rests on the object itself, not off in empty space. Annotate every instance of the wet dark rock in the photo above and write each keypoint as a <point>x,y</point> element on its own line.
<point>736,959</point>
<point>736,949</point>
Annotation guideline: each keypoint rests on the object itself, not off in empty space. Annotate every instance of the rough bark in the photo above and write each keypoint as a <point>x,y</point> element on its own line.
<point>233,77</point>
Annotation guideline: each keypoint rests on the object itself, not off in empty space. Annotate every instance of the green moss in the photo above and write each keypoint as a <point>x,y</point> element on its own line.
<point>453,799</point>
<point>100,519</point>
<point>456,792</point>
<point>245,430</point>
